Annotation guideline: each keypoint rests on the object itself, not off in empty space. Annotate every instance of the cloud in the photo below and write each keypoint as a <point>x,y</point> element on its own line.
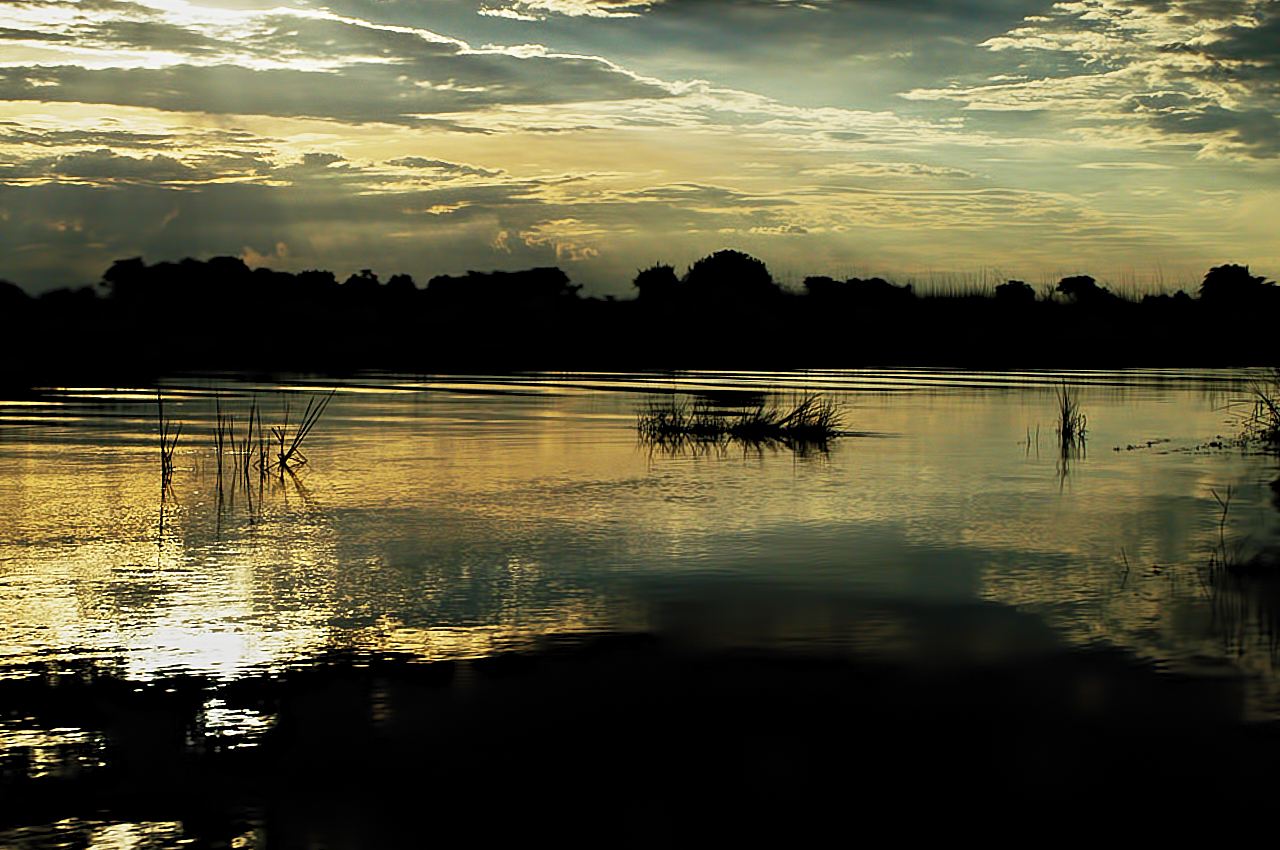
<point>360,94</point>
<point>886,169</point>
<point>1199,71</point>
<point>533,10</point>
<point>105,167</point>
<point>442,167</point>
<point>291,63</point>
<point>607,136</point>
<point>13,133</point>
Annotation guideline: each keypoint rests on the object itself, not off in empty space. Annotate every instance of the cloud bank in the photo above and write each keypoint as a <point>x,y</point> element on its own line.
<point>829,136</point>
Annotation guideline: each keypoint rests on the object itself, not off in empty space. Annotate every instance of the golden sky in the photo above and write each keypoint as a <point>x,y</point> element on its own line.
<point>1134,140</point>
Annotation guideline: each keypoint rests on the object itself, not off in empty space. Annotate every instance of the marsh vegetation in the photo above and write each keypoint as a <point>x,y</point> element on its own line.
<point>1073,425</point>
<point>1260,423</point>
<point>169,434</point>
<point>247,453</point>
<point>810,421</point>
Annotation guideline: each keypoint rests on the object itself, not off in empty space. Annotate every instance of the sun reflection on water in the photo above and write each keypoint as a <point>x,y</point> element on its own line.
<point>449,516</point>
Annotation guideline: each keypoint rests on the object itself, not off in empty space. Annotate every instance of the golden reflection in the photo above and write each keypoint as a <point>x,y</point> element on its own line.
<point>448,518</point>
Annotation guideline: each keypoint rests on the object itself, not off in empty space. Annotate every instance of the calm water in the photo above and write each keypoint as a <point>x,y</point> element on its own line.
<point>452,517</point>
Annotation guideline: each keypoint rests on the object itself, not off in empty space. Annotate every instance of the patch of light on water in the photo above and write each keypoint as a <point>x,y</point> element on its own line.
<point>430,502</point>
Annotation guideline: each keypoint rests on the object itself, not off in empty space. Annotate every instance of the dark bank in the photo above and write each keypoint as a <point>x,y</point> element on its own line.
<point>726,311</point>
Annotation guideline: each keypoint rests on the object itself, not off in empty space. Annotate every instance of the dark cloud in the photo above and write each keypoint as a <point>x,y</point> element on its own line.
<point>122,7</point>
<point>1251,55</point>
<point>328,38</point>
<point>844,53</point>
<point>12,133</point>
<point>1189,10</point>
<point>315,66</point>
<point>439,165</point>
<point>149,35</point>
<point>11,34</point>
<point>359,94</point>
<point>106,165</point>
<point>316,161</point>
<point>1253,132</point>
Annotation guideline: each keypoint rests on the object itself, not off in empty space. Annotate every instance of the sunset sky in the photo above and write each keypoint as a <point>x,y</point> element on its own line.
<point>934,140</point>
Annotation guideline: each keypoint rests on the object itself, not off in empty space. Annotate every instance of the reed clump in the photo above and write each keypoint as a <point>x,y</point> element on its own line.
<point>1261,423</point>
<point>1073,425</point>
<point>289,454</point>
<point>672,423</point>
<point>168,440</point>
<point>240,453</point>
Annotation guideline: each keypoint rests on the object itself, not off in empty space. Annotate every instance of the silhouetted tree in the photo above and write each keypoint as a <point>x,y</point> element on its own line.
<point>657,283</point>
<point>878,292</point>
<point>1015,292</point>
<point>1233,285</point>
<point>823,288</point>
<point>497,289</point>
<point>1083,289</point>
<point>1164,300</point>
<point>401,283</point>
<point>66,300</point>
<point>730,275</point>
<point>13,298</point>
<point>126,280</point>
<point>317,282</point>
<point>361,284</point>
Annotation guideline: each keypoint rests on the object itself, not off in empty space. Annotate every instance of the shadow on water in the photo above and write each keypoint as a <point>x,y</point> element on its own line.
<point>367,750</point>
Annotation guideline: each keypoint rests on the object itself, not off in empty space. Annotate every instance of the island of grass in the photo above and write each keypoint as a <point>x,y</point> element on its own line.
<point>671,422</point>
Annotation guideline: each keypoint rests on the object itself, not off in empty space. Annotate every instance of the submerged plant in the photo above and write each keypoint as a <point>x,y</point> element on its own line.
<point>671,423</point>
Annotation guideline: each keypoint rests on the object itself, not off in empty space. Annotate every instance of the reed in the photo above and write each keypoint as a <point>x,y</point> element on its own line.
<point>289,454</point>
<point>168,439</point>
<point>1244,592</point>
<point>1261,424</point>
<point>672,423</point>
<point>1072,422</point>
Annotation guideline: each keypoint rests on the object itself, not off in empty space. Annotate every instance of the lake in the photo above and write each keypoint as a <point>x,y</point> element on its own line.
<point>459,518</point>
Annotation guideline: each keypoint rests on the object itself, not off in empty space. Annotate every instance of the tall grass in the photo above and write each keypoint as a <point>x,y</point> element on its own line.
<point>289,455</point>
<point>1073,425</point>
<point>239,453</point>
<point>675,423</point>
<point>1261,424</point>
<point>168,440</point>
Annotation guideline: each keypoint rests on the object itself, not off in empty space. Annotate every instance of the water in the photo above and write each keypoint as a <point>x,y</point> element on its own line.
<point>458,517</point>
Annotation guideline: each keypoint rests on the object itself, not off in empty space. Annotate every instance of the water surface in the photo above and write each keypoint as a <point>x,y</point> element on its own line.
<point>454,517</point>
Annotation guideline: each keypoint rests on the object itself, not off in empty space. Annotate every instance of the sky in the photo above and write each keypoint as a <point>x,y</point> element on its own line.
<point>946,142</point>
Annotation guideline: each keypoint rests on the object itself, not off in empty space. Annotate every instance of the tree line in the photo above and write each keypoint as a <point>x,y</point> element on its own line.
<point>726,309</point>
<point>725,276</point>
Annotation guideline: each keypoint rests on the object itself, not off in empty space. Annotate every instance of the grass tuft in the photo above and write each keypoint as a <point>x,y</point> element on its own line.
<point>1073,425</point>
<point>289,455</point>
<point>673,423</point>
<point>1261,424</point>
<point>168,440</point>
